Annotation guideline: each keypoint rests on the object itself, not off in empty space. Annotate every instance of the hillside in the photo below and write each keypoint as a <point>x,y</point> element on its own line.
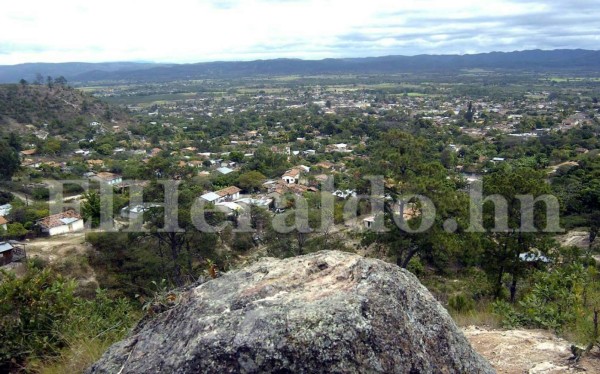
<point>14,73</point>
<point>532,60</point>
<point>61,107</point>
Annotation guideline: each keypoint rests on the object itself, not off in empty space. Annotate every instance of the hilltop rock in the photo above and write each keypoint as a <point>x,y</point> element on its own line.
<point>324,312</point>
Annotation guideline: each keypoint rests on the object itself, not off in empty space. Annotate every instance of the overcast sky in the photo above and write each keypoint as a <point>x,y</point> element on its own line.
<point>196,30</point>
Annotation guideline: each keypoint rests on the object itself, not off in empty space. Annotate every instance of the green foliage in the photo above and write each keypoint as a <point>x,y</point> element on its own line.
<point>32,310</point>
<point>251,181</point>
<point>91,208</point>
<point>5,197</point>
<point>563,299</point>
<point>461,303</point>
<point>268,163</point>
<point>504,246</point>
<point>41,317</point>
<point>415,266</point>
<point>40,193</point>
<point>510,318</point>
<point>15,230</point>
<point>242,242</point>
<point>9,160</point>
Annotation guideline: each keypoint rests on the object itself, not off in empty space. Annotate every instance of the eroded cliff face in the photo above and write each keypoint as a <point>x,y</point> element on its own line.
<point>324,312</point>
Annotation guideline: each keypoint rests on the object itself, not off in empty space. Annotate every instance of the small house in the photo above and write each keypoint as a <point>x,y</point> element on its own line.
<point>225,170</point>
<point>136,211</point>
<point>369,221</point>
<point>3,223</point>
<point>62,223</point>
<point>291,176</point>
<point>108,178</point>
<point>210,197</point>
<point>230,193</point>
<point>6,253</point>
<point>5,209</point>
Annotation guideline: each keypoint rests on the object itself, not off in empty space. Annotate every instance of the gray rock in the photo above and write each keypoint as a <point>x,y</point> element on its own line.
<point>324,312</point>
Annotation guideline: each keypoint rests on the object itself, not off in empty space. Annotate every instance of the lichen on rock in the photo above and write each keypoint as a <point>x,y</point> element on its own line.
<point>324,312</point>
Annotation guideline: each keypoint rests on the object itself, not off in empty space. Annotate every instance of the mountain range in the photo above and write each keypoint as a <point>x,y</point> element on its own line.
<point>530,60</point>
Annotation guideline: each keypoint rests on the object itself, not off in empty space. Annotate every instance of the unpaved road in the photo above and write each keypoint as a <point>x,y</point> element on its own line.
<point>56,248</point>
<point>529,351</point>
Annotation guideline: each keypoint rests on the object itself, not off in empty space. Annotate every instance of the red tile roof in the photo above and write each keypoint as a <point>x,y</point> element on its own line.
<point>294,173</point>
<point>55,220</point>
<point>231,190</point>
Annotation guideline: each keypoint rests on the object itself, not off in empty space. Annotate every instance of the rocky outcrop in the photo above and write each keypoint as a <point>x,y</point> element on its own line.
<point>324,312</point>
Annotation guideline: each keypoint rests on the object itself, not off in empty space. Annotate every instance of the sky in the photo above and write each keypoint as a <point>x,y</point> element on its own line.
<point>184,31</point>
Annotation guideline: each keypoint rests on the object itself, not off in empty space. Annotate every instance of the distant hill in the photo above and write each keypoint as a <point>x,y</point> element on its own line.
<point>61,107</point>
<point>14,73</point>
<point>533,60</point>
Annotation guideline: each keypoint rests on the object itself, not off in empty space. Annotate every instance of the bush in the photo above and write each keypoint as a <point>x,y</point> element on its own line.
<point>32,309</point>
<point>415,266</point>
<point>242,242</point>
<point>43,320</point>
<point>461,303</point>
<point>5,197</point>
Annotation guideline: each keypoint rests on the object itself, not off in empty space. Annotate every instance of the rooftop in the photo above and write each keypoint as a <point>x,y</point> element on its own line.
<point>60,219</point>
<point>5,247</point>
<point>231,190</point>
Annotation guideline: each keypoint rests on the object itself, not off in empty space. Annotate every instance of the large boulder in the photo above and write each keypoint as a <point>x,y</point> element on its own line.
<point>324,312</point>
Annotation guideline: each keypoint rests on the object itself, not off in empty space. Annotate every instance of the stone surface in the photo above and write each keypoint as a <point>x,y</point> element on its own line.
<point>324,312</point>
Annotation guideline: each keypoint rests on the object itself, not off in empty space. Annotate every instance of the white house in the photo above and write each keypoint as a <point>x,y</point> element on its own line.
<point>369,221</point>
<point>5,209</point>
<point>225,170</point>
<point>137,211</point>
<point>210,197</point>
<point>291,176</point>
<point>230,193</point>
<point>108,178</point>
<point>62,223</point>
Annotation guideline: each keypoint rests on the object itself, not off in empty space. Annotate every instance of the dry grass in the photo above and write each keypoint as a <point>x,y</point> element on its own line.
<point>76,358</point>
<point>481,316</point>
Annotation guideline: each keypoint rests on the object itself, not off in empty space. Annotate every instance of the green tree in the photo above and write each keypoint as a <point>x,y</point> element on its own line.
<point>15,230</point>
<point>505,245</point>
<point>236,156</point>
<point>251,181</point>
<point>9,161</point>
<point>91,208</point>
<point>469,113</point>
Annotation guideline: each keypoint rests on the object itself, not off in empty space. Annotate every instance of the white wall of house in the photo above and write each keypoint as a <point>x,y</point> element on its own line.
<point>75,226</point>
<point>4,226</point>
<point>115,181</point>
<point>289,180</point>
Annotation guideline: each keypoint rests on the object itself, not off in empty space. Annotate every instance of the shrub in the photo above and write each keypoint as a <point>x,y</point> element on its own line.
<point>415,266</point>
<point>42,320</point>
<point>461,303</point>
<point>32,309</point>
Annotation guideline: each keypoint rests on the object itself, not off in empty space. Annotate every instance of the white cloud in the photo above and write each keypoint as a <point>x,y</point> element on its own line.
<point>189,30</point>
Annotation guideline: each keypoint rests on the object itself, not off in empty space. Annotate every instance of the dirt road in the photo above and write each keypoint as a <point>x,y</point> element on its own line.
<point>67,253</point>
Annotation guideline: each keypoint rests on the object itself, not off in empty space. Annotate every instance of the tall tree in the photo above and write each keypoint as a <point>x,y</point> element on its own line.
<point>9,160</point>
<point>506,245</point>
